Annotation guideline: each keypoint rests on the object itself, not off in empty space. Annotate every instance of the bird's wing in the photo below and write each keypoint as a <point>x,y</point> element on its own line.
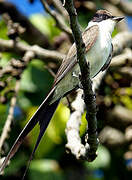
<point>89,37</point>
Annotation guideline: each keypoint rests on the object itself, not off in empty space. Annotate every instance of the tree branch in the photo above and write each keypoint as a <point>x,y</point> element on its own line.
<point>121,59</point>
<point>41,53</point>
<point>73,126</point>
<point>112,137</point>
<point>125,39</point>
<point>10,116</point>
<point>119,117</point>
<point>124,6</point>
<point>89,98</point>
<point>32,35</point>
<point>26,59</point>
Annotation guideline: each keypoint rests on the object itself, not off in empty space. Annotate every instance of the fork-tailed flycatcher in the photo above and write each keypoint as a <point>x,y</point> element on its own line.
<point>98,43</point>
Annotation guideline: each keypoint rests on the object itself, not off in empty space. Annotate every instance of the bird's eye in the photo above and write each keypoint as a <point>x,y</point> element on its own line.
<point>97,15</point>
<point>105,16</point>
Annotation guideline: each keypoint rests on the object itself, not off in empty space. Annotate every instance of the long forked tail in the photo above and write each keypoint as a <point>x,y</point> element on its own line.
<point>43,115</point>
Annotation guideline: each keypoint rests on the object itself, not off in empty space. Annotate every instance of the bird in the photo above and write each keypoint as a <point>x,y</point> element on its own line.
<point>97,38</point>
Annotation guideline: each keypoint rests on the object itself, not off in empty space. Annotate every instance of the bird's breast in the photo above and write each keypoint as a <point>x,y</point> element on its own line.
<point>99,53</point>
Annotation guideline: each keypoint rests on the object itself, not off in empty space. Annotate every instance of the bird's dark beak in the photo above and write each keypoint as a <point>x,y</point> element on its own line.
<point>117,18</point>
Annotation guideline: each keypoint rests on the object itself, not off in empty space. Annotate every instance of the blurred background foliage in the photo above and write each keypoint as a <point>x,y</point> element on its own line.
<point>51,162</point>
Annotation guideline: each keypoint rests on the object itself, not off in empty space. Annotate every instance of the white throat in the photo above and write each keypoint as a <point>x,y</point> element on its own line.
<point>105,25</point>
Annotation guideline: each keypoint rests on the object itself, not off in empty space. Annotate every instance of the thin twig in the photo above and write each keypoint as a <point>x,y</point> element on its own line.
<point>69,104</point>
<point>26,58</point>
<point>9,69</point>
<point>50,70</point>
<point>58,18</point>
<point>58,5</point>
<point>10,116</point>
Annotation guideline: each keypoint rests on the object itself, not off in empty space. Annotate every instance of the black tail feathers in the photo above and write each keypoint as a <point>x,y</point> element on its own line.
<point>44,120</point>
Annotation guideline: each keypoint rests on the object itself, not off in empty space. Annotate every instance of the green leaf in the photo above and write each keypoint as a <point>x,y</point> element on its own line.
<point>127,101</point>
<point>83,126</point>
<point>44,165</point>
<point>45,24</point>
<point>35,78</point>
<point>45,169</point>
<point>56,130</point>
<point>3,30</point>
<point>3,115</point>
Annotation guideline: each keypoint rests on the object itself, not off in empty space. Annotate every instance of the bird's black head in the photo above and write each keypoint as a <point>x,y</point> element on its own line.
<point>104,15</point>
